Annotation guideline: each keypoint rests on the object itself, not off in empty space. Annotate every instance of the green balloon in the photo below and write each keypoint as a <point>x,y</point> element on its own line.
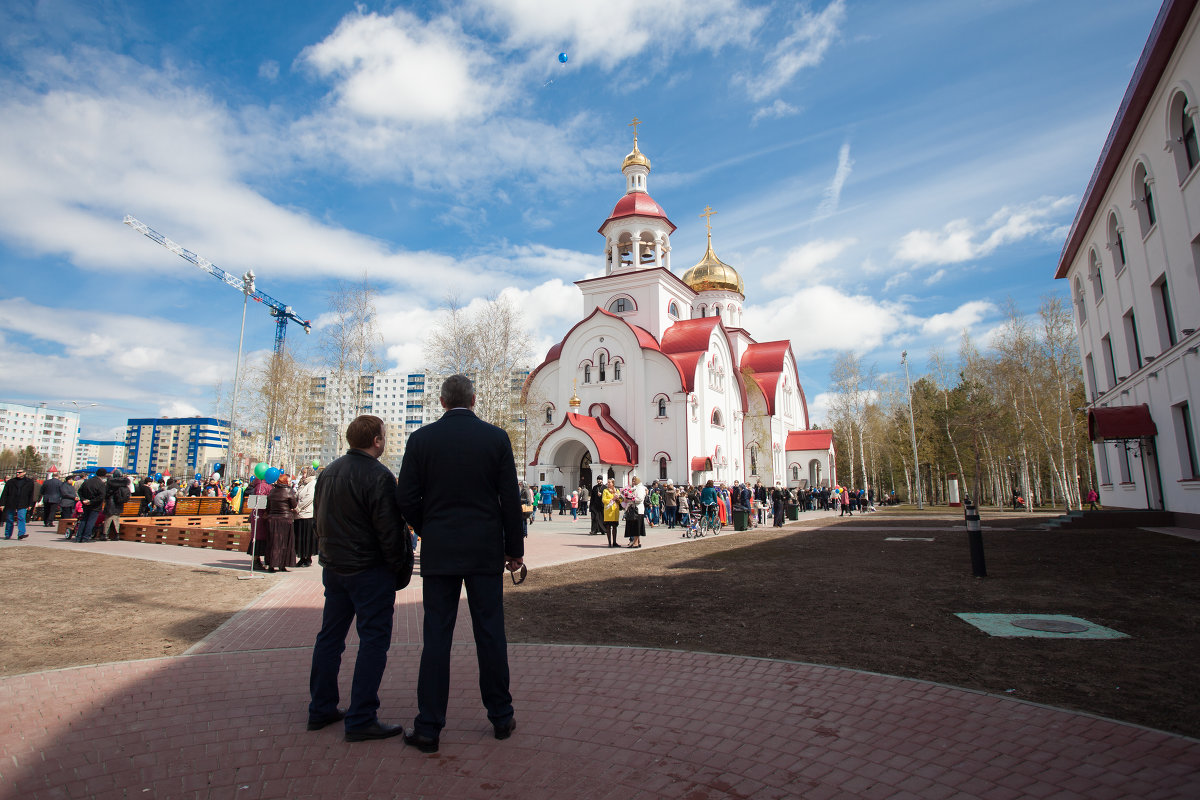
<point>316,463</point>
<point>260,470</point>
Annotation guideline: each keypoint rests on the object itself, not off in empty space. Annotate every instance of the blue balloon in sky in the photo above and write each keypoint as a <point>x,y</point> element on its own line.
<point>562,58</point>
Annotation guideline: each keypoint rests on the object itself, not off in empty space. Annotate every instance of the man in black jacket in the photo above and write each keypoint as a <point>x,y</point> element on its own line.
<point>367,556</point>
<point>467,537</point>
<point>51,497</point>
<point>91,495</point>
<point>16,499</point>
<point>596,504</point>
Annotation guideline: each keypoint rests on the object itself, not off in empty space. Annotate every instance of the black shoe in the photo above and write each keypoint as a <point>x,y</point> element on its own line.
<point>375,730</point>
<point>505,730</point>
<point>426,744</point>
<point>316,724</point>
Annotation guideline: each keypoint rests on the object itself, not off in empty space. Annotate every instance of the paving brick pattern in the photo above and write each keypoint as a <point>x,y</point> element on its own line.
<point>227,720</point>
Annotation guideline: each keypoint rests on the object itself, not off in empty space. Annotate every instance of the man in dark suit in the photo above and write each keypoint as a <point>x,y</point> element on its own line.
<point>458,489</point>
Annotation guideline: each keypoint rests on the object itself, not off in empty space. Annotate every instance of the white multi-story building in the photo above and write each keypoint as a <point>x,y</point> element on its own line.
<point>178,446</point>
<point>1132,260</point>
<point>93,453</point>
<point>50,432</point>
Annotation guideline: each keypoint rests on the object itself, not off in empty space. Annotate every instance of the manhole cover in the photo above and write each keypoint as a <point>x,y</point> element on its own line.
<point>1051,625</point>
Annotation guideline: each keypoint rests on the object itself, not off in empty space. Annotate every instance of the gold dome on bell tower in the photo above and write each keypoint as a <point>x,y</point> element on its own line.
<point>711,273</point>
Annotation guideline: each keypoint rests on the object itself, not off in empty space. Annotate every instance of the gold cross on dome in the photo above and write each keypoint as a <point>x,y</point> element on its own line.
<point>634,125</point>
<point>708,213</point>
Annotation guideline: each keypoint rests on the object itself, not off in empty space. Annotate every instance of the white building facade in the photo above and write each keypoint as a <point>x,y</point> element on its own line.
<point>659,379</point>
<point>1132,261</point>
<point>93,453</point>
<point>52,433</point>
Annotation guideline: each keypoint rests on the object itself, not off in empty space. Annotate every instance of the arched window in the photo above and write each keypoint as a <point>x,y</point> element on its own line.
<point>1191,151</point>
<point>795,472</point>
<point>662,469</point>
<point>616,370</point>
<point>587,373</point>
<point>673,309</point>
<point>1080,309</point>
<point>814,472</point>
<point>1095,277</point>
<point>1182,131</point>
<point>716,417</point>
<point>1116,243</point>
<point>603,364</point>
<point>619,306</point>
<point>753,459</point>
<point>662,406</point>
<point>549,414</point>
<point>1144,197</point>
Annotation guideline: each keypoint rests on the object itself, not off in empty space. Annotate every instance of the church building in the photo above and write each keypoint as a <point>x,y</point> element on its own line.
<point>659,379</point>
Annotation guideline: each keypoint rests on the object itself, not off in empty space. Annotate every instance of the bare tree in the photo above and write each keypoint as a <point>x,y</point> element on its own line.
<point>350,344</point>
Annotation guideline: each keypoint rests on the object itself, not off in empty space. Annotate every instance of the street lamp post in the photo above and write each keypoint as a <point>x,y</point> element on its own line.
<point>247,290</point>
<point>912,430</point>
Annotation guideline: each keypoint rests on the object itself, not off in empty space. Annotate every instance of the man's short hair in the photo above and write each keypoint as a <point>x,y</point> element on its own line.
<point>457,391</point>
<point>361,432</point>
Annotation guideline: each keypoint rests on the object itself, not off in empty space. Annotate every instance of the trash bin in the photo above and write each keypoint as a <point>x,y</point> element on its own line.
<point>793,512</point>
<point>741,520</point>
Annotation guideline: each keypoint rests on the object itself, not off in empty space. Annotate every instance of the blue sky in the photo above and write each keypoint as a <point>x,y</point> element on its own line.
<point>885,174</point>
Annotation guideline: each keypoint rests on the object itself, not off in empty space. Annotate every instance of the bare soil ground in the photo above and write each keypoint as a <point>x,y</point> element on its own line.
<point>829,594</point>
<point>66,608</point>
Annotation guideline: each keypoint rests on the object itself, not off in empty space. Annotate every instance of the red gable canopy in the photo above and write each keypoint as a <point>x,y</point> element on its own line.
<point>1121,422</point>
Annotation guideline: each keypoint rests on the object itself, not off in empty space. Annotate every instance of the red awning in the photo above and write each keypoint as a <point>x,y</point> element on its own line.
<point>1121,422</point>
<point>702,464</point>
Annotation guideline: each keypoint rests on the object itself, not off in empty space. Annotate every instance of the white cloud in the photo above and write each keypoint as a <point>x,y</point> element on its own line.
<point>269,70</point>
<point>805,46</point>
<point>833,192</point>
<point>823,319</point>
<point>965,316</point>
<point>777,110</point>
<point>607,33</point>
<point>935,277</point>
<point>179,408</point>
<point>403,69</point>
<point>960,241</point>
<point>805,261</point>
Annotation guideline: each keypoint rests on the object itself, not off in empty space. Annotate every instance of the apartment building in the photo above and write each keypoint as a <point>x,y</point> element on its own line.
<point>50,432</point>
<point>179,446</point>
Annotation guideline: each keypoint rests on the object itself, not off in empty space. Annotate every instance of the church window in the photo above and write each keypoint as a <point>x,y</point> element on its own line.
<point>587,373</point>
<point>603,364</point>
<point>673,309</point>
<point>662,406</point>
<point>616,370</point>
<point>549,415</point>
<point>795,472</point>
<point>619,306</point>
<point>1190,149</point>
<point>716,418</point>
<point>662,469</point>
<point>753,460</point>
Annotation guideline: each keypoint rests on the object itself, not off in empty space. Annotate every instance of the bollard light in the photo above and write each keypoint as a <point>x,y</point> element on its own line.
<point>975,539</point>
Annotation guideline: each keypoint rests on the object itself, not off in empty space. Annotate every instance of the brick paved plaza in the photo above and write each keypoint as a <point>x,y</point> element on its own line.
<point>227,720</point>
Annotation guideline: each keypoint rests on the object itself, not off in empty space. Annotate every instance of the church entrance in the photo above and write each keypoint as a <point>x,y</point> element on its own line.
<point>585,470</point>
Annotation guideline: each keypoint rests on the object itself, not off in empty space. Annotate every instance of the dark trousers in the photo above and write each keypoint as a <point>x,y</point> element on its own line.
<point>369,598</point>
<point>485,599</point>
<point>86,523</point>
<point>670,512</point>
<point>597,518</point>
<point>48,511</point>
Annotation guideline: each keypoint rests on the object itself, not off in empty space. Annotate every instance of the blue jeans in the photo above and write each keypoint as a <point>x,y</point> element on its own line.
<point>670,511</point>
<point>86,523</point>
<point>369,597</point>
<point>8,522</point>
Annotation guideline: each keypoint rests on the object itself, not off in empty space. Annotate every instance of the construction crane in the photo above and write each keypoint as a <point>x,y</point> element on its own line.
<point>282,313</point>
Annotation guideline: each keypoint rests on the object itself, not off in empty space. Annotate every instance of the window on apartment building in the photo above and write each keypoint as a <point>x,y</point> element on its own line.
<point>1185,435</point>
<point>1110,363</point>
<point>1131,341</point>
<point>1163,314</point>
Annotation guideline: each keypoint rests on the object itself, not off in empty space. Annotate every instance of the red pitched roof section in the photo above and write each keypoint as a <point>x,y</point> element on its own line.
<point>766,360</point>
<point>1121,422</point>
<point>809,440</point>
<point>637,204</point>
<point>686,341</point>
<point>1168,27</point>
<point>603,416</point>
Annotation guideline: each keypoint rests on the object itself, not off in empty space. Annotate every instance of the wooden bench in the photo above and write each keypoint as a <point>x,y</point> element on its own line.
<point>198,506</point>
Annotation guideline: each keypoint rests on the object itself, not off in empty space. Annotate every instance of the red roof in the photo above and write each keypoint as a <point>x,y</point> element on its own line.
<point>809,440</point>
<point>686,341</point>
<point>637,204</point>
<point>702,464</point>
<point>1168,27</point>
<point>766,360</point>
<point>609,447</point>
<point>1121,422</point>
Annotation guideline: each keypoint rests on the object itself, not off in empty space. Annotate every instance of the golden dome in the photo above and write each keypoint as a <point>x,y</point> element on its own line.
<point>713,274</point>
<point>635,157</point>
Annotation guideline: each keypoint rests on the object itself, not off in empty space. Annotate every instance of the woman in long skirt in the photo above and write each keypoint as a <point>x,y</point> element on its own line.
<point>635,523</point>
<point>281,544</point>
<point>305,529</point>
<point>259,538</point>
